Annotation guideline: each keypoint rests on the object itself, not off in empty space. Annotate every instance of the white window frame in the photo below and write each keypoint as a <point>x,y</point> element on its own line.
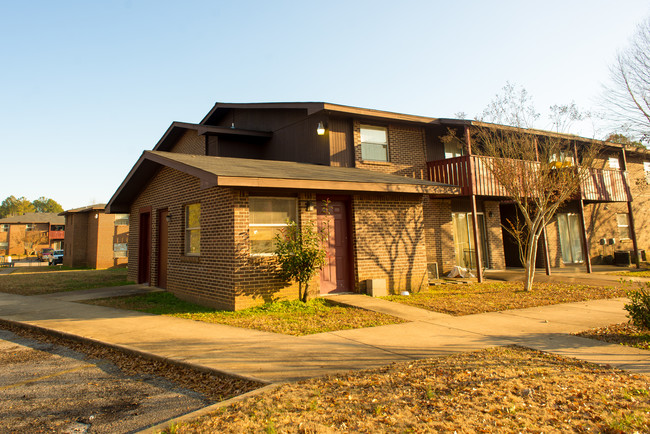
<point>279,226</point>
<point>4,228</point>
<point>385,145</point>
<point>627,225</point>
<point>189,230</point>
<point>614,163</point>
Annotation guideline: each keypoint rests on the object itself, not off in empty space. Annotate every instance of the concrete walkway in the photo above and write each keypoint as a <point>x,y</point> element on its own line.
<point>272,357</point>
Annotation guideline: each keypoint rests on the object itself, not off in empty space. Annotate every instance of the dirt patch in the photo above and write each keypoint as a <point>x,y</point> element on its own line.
<point>473,298</point>
<point>496,390</point>
<point>624,334</point>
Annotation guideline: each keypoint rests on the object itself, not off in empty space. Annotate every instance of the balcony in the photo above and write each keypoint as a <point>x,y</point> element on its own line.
<point>56,235</point>
<point>599,186</point>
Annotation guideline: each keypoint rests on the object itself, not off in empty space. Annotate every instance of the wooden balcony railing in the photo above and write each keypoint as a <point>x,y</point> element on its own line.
<point>600,185</point>
<point>57,235</point>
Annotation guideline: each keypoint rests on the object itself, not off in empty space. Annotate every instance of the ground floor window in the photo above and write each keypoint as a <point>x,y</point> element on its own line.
<point>119,250</point>
<point>193,229</point>
<point>268,215</point>
<point>623,223</point>
<point>570,229</point>
<point>464,239</point>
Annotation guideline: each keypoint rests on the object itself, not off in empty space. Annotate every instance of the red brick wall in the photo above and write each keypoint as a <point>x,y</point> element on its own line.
<point>389,241</point>
<point>206,278</point>
<point>406,151</point>
<point>438,229</point>
<point>492,215</point>
<point>190,143</point>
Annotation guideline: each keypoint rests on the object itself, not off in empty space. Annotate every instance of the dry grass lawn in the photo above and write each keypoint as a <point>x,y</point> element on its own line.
<point>496,390</point>
<point>46,280</point>
<point>624,334</point>
<point>472,298</point>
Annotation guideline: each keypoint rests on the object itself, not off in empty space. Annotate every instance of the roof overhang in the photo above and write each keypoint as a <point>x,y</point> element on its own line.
<point>177,129</point>
<point>267,174</point>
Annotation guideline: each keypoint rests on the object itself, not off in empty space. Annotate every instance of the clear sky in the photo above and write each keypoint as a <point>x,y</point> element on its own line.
<point>86,86</point>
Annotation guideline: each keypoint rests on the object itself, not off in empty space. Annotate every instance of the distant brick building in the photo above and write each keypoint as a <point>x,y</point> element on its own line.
<point>206,202</point>
<point>94,239</point>
<point>31,232</point>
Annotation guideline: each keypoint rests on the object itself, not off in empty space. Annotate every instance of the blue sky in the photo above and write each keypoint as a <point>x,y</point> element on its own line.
<point>85,86</point>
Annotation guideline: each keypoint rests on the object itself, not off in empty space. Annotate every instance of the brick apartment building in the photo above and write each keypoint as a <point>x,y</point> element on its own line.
<point>205,203</point>
<point>95,239</point>
<point>31,232</point>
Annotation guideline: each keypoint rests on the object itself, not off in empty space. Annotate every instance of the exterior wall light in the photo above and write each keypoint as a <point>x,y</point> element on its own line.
<point>320,130</point>
<point>168,217</point>
<point>309,206</point>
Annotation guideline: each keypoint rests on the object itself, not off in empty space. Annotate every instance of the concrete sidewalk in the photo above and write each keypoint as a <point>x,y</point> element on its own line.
<point>272,357</point>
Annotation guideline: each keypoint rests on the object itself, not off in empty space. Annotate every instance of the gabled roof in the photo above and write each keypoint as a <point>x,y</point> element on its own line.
<point>240,172</point>
<point>315,107</point>
<point>176,129</point>
<point>35,217</point>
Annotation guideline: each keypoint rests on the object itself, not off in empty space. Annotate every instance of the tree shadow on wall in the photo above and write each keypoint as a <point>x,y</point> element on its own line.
<point>391,240</point>
<point>257,277</point>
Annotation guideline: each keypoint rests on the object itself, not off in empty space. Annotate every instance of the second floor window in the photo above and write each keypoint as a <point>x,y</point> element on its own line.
<point>193,229</point>
<point>374,143</point>
<point>29,227</point>
<point>121,219</point>
<point>4,228</point>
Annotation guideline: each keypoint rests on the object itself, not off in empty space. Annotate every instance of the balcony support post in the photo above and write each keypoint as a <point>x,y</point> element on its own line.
<point>630,214</point>
<point>585,242</point>
<point>472,192</point>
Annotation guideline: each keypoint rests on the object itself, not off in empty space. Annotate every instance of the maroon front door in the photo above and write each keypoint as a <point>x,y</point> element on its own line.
<point>335,275</point>
<point>144,248</point>
<point>162,249</point>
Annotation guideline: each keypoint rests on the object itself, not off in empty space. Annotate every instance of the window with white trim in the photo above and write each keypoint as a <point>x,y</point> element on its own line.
<point>623,223</point>
<point>268,215</point>
<point>613,163</point>
<point>193,229</point>
<point>4,245</point>
<point>120,250</point>
<point>4,228</point>
<point>374,143</point>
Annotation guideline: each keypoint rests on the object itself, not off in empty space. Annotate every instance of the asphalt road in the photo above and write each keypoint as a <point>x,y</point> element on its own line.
<point>49,388</point>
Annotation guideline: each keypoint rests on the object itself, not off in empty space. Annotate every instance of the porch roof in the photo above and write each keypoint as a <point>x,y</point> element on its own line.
<point>249,173</point>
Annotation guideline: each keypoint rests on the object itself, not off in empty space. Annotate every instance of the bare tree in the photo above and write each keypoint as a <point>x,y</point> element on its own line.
<point>538,171</point>
<point>627,98</point>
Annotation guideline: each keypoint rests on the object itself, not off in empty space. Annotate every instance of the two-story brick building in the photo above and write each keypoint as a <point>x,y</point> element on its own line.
<point>206,202</point>
<point>30,232</point>
<point>95,239</point>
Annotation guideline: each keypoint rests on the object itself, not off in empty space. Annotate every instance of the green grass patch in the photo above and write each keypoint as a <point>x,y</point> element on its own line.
<point>47,280</point>
<point>285,317</point>
<point>472,298</point>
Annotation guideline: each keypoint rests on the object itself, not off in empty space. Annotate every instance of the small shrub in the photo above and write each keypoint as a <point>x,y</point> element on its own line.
<point>639,308</point>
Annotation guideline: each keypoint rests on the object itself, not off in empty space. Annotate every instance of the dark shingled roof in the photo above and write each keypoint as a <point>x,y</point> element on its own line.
<point>241,172</point>
<point>35,217</point>
<point>96,207</point>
